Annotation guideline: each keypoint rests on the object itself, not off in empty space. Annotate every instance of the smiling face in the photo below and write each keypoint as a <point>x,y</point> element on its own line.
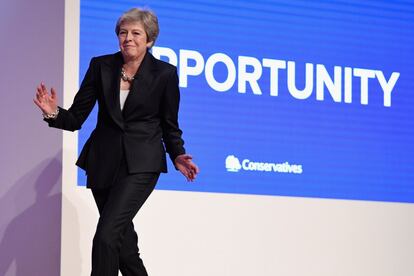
<point>133,40</point>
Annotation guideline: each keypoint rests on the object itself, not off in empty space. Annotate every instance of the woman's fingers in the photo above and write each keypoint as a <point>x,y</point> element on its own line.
<point>41,98</point>
<point>42,93</point>
<point>40,105</point>
<point>195,168</point>
<point>39,92</point>
<point>187,167</point>
<point>44,89</point>
<point>192,174</point>
<point>36,101</point>
<point>53,93</point>
<point>38,97</point>
<point>187,173</point>
<point>190,177</point>
<point>45,101</point>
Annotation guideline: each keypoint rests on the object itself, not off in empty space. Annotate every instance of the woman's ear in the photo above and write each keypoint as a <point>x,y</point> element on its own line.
<point>150,44</point>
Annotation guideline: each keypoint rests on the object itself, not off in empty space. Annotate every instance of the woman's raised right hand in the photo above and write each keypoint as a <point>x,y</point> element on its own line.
<point>45,101</point>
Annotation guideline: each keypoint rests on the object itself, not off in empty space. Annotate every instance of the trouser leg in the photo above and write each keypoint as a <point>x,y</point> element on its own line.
<point>115,242</point>
<point>130,263</point>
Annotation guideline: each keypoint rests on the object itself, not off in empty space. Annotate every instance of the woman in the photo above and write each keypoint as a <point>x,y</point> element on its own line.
<point>138,98</point>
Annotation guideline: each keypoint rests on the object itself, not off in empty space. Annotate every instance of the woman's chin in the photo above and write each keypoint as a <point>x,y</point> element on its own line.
<point>128,53</point>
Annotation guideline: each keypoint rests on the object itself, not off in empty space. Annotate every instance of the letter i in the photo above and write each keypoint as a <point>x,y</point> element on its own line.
<point>348,85</point>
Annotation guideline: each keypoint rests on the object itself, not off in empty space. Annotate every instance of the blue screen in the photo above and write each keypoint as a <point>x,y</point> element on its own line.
<point>288,98</point>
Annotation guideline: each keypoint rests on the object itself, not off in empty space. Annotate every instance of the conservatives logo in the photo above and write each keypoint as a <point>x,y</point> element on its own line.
<point>233,165</point>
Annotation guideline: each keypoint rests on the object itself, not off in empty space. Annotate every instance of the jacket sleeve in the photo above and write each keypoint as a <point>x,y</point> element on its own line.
<point>83,103</point>
<point>169,108</point>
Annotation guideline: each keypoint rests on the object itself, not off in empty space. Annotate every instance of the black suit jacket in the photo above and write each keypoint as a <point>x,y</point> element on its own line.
<point>147,123</point>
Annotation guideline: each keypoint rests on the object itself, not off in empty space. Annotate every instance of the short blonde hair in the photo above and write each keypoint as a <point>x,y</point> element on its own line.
<point>145,16</point>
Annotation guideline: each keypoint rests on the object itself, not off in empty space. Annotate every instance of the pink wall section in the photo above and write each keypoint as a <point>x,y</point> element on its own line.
<point>31,50</point>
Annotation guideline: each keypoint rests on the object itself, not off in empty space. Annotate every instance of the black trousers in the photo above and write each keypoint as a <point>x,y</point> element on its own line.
<point>115,244</point>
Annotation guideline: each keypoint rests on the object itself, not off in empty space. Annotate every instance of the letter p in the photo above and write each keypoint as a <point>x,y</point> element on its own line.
<point>187,70</point>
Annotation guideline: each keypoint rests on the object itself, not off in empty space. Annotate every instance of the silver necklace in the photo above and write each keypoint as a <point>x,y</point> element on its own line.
<point>124,76</point>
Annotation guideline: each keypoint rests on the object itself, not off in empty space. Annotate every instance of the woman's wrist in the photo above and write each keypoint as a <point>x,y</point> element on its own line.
<point>52,115</point>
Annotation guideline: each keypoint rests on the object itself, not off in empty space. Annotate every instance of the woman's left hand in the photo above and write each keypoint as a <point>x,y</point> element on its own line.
<point>186,166</point>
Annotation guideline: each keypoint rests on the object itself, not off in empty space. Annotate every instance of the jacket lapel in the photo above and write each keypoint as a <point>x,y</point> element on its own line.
<point>111,78</point>
<point>141,85</point>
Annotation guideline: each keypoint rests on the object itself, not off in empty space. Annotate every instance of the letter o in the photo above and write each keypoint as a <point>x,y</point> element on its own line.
<point>231,69</point>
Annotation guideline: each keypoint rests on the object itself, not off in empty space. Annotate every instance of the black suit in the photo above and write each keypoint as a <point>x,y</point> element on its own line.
<point>148,120</point>
<point>125,153</point>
